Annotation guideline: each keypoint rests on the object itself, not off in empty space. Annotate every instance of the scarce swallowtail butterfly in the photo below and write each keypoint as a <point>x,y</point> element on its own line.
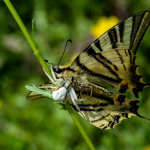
<point>111,60</point>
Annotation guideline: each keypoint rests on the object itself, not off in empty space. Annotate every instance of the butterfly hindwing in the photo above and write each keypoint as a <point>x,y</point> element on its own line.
<point>105,111</point>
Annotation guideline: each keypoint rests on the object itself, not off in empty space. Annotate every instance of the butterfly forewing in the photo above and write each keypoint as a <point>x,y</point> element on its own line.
<point>112,56</point>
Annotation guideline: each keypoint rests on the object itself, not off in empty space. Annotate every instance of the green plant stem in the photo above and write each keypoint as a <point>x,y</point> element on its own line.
<point>72,114</point>
<point>44,65</point>
<point>28,37</point>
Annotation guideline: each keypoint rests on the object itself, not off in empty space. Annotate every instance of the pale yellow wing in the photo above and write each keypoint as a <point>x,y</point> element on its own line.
<point>105,111</point>
<point>102,110</point>
<point>111,58</point>
<point>116,67</point>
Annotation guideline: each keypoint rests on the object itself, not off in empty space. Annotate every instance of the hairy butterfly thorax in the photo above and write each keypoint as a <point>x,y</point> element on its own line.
<point>111,60</point>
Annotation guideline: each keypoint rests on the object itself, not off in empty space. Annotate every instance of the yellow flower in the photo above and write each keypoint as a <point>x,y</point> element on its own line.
<point>103,24</point>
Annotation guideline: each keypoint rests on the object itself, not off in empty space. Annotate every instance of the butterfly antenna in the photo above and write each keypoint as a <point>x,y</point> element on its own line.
<point>64,50</point>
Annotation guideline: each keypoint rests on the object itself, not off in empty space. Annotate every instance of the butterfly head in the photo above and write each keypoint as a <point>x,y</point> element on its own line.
<point>59,69</point>
<point>63,72</point>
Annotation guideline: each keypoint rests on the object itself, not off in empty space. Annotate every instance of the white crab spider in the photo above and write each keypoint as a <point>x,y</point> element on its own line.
<point>63,89</point>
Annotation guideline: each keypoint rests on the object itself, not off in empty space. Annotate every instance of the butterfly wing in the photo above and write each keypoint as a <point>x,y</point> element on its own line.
<point>105,111</point>
<point>111,58</point>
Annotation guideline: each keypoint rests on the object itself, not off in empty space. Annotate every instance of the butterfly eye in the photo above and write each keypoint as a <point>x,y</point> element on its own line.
<point>57,70</point>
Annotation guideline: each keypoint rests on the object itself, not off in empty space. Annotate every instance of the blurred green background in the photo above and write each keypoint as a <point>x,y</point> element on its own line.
<point>38,125</point>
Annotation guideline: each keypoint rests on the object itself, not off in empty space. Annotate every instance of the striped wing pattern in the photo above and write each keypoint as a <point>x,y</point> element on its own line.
<point>105,111</point>
<point>108,60</point>
<point>111,57</point>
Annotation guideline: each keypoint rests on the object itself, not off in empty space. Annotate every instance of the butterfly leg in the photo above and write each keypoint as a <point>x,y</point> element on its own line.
<point>81,89</point>
<point>89,87</point>
<point>78,91</point>
<point>103,89</point>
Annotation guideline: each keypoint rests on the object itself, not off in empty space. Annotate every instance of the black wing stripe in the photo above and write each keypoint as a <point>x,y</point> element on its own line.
<point>104,127</point>
<point>108,61</point>
<point>140,24</point>
<point>133,61</point>
<point>82,66</point>
<point>121,31</point>
<point>106,66</point>
<point>109,123</point>
<point>129,52</point>
<point>101,125</point>
<point>113,37</point>
<point>90,51</point>
<point>121,59</point>
<point>112,125</point>
<point>119,56</point>
<point>143,28</point>
<point>97,44</point>
<point>88,107</point>
<point>99,119</point>
<point>136,21</point>
<point>124,67</point>
<point>125,52</point>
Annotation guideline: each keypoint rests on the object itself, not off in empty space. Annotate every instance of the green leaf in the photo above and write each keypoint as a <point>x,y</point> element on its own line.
<point>36,90</point>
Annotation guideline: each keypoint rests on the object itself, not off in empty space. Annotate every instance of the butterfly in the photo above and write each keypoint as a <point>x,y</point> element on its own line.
<point>109,60</point>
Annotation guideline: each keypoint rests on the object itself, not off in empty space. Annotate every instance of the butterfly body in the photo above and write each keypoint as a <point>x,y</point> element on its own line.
<point>109,60</point>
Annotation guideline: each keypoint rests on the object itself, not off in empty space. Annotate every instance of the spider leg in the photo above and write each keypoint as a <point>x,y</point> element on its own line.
<point>100,87</point>
<point>79,93</point>
<point>80,88</point>
<point>91,92</point>
<point>74,103</point>
<point>74,94</point>
<point>54,82</point>
<point>54,77</point>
